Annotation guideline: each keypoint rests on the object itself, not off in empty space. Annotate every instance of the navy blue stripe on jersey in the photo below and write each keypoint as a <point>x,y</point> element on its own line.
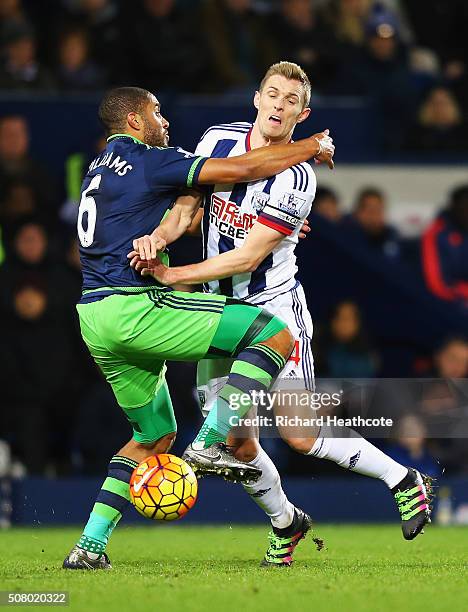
<point>205,226</point>
<point>226,243</point>
<point>301,178</point>
<point>268,184</point>
<point>296,176</point>
<point>223,148</point>
<point>258,278</point>
<point>304,179</point>
<point>306,340</point>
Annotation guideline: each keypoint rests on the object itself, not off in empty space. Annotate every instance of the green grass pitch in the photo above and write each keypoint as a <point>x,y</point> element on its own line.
<point>172,568</point>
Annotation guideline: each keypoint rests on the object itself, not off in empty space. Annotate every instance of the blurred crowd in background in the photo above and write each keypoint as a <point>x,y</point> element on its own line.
<point>411,58</point>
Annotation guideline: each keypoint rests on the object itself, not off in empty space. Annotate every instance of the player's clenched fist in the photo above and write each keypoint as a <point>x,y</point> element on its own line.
<point>146,248</point>
<point>326,148</point>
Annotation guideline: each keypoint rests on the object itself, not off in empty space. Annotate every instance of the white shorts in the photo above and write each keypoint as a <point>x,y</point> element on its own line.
<point>291,307</point>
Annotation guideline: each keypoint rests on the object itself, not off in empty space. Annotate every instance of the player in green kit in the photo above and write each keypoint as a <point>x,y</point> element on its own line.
<point>131,324</point>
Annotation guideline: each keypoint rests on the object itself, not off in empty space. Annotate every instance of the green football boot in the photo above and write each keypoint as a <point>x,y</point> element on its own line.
<point>283,542</point>
<point>413,496</point>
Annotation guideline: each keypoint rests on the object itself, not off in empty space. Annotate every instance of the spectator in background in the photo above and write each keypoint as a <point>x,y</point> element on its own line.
<point>327,205</point>
<point>32,256</point>
<point>11,12</point>
<point>410,446</point>
<point>302,36</point>
<point>241,46</point>
<point>16,164</point>
<point>101,20</point>
<point>76,72</point>
<point>441,26</point>
<point>348,19</point>
<point>343,350</point>
<point>18,201</point>
<point>451,359</point>
<point>34,345</point>
<point>443,404</point>
<point>445,251</point>
<point>380,71</point>
<point>368,224</point>
<point>440,127</point>
<point>165,45</point>
<point>20,69</point>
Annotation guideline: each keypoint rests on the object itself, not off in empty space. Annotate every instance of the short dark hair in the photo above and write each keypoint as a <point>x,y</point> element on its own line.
<point>117,103</point>
<point>459,195</point>
<point>323,193</point>
<point>448,341</point>
<point>368,192</point>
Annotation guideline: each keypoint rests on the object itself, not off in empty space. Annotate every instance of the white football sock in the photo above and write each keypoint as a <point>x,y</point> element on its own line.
<point>356,454</point>
<point>268,493</point>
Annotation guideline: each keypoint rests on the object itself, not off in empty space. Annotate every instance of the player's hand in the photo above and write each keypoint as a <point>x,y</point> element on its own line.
<point>305,229</point>
<point>154,268</point>
<point>146,248</point>
<point>326,149</point>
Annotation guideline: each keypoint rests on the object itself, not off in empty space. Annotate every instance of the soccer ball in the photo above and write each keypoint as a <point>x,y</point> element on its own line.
<point>163,487</point>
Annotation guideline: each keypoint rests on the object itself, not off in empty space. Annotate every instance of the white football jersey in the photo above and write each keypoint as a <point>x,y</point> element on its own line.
<point>281,202</point>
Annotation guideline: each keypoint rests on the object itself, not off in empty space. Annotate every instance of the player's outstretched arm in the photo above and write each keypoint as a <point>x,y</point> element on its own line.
<point>173,226</point>
<point>259,243</point>
<point>267,161</point>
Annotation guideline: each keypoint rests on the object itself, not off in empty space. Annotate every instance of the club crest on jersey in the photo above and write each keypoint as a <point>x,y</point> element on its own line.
<point>228,219</point>
<point>259,200</point>
<point>185,153</point>
<point>291,203</point>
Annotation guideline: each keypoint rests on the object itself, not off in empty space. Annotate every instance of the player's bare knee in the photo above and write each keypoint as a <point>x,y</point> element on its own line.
<point>300,445</point>
<point>246,450</point>
<point>282,342</point>
<point>162,445</point>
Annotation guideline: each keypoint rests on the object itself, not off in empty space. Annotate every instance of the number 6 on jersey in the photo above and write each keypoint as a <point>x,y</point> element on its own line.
<point>88,205</point>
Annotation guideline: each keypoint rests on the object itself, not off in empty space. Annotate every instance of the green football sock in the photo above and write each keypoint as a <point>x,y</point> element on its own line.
<point>255,369</point>
<point>113,499</point>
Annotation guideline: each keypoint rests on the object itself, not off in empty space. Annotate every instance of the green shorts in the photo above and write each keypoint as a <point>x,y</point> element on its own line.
<point>131,335</point>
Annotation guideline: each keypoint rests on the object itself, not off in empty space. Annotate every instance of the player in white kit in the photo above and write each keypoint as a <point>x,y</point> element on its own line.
<point>250,232</point>
<point>266,278</point>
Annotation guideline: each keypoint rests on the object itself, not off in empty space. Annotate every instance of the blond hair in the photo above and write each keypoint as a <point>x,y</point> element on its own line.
<point>292,72</point>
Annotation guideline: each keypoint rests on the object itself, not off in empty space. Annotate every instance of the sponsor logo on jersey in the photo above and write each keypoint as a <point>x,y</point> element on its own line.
<point>291,203</point>
<point>227,217</point>
<point>282,215</point>
<point>259,200</point>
